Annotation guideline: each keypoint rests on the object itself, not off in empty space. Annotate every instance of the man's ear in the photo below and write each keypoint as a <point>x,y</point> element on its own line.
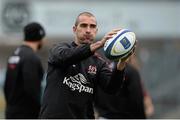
<point>74,29</point>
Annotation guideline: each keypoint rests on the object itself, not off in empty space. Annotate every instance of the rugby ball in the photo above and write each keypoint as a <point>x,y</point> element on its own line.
<point>120,45</point>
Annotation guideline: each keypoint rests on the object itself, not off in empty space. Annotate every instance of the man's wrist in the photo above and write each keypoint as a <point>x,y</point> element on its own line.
<point>95,46</point>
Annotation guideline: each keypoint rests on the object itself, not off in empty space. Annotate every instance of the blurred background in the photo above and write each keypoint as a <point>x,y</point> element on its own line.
<point>155,22</point>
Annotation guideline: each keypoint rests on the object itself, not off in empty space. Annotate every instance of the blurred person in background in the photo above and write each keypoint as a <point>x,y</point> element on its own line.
<point>22,88</point>
<point>148,104</point>
<point>75,70</point>
<point>131,100</point>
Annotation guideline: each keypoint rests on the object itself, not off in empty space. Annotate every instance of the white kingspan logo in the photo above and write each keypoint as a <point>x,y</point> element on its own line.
<point>78,82</point>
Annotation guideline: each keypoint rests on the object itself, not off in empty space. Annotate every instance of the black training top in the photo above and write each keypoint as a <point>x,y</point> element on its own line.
<point>72,77</point>
<point>128,103</point>
<point>23,83</point>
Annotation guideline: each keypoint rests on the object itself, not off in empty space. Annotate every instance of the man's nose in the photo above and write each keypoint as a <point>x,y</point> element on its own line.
<point>88,29</point>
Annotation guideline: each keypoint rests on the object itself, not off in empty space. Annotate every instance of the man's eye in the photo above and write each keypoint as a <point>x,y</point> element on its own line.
<point>83,25</point>
<point>93,26</point>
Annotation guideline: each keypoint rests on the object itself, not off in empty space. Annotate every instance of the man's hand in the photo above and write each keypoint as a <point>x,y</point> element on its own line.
<point>95,46</point>
<point>122,62</point>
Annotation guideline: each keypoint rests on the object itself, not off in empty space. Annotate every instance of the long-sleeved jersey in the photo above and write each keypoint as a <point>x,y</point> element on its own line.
<point>74,73</point>
<point>22,86</point>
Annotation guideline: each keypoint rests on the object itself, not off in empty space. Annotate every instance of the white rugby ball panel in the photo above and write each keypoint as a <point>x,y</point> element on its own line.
<point>124,45</point>
<point>120,44</point>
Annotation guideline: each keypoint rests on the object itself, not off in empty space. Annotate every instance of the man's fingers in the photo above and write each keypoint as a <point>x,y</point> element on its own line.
<point>116,30</point>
